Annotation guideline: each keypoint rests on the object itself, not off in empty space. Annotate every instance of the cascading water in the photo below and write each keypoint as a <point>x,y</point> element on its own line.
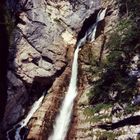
<point>63,119</point>
<point>25,121</point>
<point>91,32</point>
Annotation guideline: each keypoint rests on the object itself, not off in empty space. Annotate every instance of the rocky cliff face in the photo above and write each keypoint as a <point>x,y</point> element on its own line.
<point>91,56</point>
<point>42,45</point>
<point>94,118</point>
<point>40,55</point>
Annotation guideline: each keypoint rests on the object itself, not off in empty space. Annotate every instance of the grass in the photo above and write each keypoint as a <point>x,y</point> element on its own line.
<point>101,106</point>
<point>90,112</point>
<point>107,135</point>
<point>96,109</point>
<point>101,118</point>
<point>131,109</point>
<point>113,74</point>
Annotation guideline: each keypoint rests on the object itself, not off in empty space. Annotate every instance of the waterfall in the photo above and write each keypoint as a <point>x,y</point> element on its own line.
<point>64,117</point>
<point>25,121</point>
<point>91,32</point>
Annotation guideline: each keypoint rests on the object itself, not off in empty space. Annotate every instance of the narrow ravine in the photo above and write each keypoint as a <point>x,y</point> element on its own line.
<point>15,133</point>
<point>63,119</point>
<point>69,70</point>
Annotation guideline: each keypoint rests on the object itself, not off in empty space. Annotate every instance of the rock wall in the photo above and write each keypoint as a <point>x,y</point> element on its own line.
<point>85,122</point>
<point>44,34</point>
<point>91,55</point>
<point>41,51</point>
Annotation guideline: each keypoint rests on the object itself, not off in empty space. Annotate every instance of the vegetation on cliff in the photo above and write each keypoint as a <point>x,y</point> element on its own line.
<point>113,86</point>
<point>115,83</point>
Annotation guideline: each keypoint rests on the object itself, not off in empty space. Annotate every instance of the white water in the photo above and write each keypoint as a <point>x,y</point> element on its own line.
<point>92,30</point>
<point>63,119</point>
<point>25,121</point>
<point>101,15</point>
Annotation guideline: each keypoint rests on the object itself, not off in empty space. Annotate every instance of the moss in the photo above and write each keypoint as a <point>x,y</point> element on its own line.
<point>101,106</point>
<point>93,113</point>
<point>113,73</point>
<point>122,46</point>
<point>131,109</point>
<point>88,111</point>
<point>96,119</point>
<point>96,109</point>
<point>107,135</point>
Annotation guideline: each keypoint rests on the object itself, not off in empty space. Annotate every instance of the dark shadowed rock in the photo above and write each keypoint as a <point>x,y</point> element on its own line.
<point>17,97</point>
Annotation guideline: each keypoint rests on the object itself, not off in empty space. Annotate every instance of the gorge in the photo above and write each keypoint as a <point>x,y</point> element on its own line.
<point>63,120</point>
<point>70,70</point>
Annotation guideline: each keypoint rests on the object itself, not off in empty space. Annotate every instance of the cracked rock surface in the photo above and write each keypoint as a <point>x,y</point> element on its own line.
<point>42,45</point>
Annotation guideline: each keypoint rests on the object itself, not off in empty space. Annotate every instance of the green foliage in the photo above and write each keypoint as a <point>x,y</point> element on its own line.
<point>115,40</point>
<point>131,109</point>
<point>96,119</point>
<point>125,37</point>
<point>123,45</point>
<point>89,112</point>
<point>107,135</point>
<point>96,109</point>
<point>124,24</point>
<point>101,106</point>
